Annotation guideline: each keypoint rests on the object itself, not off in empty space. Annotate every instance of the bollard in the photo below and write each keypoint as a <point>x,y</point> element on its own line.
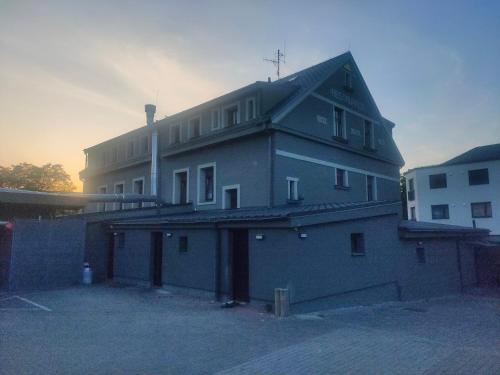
<point>281,302</point>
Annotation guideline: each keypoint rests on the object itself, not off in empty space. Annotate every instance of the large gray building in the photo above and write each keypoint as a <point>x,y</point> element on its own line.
<point>292,183</point>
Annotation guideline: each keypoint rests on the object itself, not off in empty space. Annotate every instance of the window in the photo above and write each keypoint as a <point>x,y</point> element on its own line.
<point>138,188</point>
<point>231,197</point>
<point>421,254</point>
<point>119,189</point>
<point>250,109</point>
<point>411,189</point>
<point>440,211</point>
<point>101,207</point>
<point>481,209</point>
<point>339,125</point>
<point>120,240</point>
<point>114,155</point>
<point>368,135</point>
<point>437,181</point>
<point>341,179</point>
<point>479,177</point>
<point>413,215</point>
<point>357,244</point>
<point>175,134</point>
<point>103,159</point>
<point>130,149</point>
<point>293,188</point>
<point>206,183</point>
<point>180,191</point>
<point>183,243</point>
<point>215,119</point>
<point>144,145</point>
<point>232,115</point>
<point>347,80</point>
<point>195,128</point>
<point>371,188</point>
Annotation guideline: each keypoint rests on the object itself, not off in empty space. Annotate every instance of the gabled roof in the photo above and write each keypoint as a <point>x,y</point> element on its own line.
<point>477,154</point>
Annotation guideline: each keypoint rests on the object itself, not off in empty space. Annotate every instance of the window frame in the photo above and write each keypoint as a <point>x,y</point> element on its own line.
<point>230,187</point>
<point>345,178</point>
<point>254,109</point>
<point>375,190</point>
<point>371,144</point>
<point>215,113</point>
<point>289,181</point>
<point>224,114</point>
<point>478,170</point>
<point>200,184</point>
<point>174,184</point>
<point>432,187</point>
<point>99,188</point>
<point>171,138</point>
<point>413,213</point>
<point>488,210</point>
<point>143,180</point>
<point>120,205</point>
<point>343,123</point>
<point>447,211</point>
<point>190,127</point>
<point>358,238</point>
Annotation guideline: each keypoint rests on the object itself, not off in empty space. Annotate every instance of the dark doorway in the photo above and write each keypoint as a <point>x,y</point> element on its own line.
<point>157,257</point>
<point>111,255</point>
<point>239,246</point>
<point>183,187</point>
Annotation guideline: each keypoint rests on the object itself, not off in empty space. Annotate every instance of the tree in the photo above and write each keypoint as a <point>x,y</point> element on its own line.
<point>404,200</point>
<point>48,177</point>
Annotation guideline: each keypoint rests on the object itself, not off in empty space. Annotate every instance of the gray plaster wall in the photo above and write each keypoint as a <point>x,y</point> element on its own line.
<point>244,162</point>
<point>47,253</point>
<point>317,181</point>
<point>132,262</point>
<point>321,268</point>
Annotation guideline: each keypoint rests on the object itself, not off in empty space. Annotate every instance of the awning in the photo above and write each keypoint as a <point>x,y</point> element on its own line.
<point>484,243</point>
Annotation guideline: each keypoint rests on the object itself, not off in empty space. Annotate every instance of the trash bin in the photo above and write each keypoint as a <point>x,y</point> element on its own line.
<point>87,274</point>
<point>281,302</point>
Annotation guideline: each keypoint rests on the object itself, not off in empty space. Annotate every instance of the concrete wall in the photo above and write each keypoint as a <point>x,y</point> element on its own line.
<point>132,262</point>
<point>5,247</point>
<point>47,253</point>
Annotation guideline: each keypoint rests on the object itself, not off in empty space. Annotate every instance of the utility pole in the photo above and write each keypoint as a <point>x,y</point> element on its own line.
<point>277,61</point>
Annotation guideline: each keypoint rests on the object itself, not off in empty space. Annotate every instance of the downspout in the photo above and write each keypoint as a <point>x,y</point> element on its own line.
<point>459,265</point>
<point>150,110</point>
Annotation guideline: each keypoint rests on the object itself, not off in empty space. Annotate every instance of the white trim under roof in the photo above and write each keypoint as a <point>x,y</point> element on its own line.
<point>174,172</point>
<point>325,163</point>
<point>200,167</point>
<point>230,187</point>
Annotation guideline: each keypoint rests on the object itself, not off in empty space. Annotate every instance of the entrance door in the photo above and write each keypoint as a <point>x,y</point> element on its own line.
<point>157,257</point>
<point>239,239</point>
<point>111,255</point>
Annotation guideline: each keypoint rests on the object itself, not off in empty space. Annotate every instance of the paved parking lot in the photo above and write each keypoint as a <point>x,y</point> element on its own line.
<point>111,330</point>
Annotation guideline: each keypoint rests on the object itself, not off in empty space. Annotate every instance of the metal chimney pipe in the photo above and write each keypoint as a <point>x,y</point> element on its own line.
<point>150,110</point>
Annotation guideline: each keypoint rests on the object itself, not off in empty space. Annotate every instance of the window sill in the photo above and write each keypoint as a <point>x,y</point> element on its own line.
<point>342,187</point>
<point>340,139</point>
<point>294,201</point>
<point>206,203</point>
<point>358,254</point>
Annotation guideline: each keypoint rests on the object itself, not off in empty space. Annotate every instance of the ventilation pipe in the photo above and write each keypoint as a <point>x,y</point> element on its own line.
<point>150,110</point>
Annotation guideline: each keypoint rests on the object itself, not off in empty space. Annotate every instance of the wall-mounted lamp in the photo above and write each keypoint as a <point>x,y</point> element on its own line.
<point>259,237</point>
<point>169,234</point>
<point>420,243</point>
<point>302,235</point>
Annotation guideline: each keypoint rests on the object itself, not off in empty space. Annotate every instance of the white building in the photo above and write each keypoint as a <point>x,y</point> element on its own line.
<point>462,191</point>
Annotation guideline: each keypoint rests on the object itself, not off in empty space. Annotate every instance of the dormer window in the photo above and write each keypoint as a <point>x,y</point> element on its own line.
<point>250,109</point>
<point>347,80</point>
<point>175,134</point>
<point>195,128</point>
<point>130,149</point>
<point>215,119</point>
<point>231,115</point>
<point>145,144</point>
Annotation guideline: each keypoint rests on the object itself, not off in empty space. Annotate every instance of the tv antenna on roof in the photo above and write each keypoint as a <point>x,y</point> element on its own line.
<point>278,59</point>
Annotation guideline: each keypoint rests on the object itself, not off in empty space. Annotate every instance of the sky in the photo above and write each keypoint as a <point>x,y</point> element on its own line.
<point>75,73</point>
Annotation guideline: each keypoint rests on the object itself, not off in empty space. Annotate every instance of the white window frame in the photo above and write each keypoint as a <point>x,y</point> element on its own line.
<point>171,132</point>
<point>117,204</point>
<point>174,180</point>
<point>344,123</point>
<point>190,136</point>
<point>199,184</point>
<point>375,190</point>
<point>254,108</point>
<point>224,117</point>
<point>104,208</point>
<point>372,140</point>
<point>289,180</point>
<point>215,114</point>
<point>346,177</point>
<point>229,187</point>
<point>143,179</point>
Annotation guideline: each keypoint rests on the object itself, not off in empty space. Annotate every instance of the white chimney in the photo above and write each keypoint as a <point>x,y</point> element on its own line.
<point>150,110</point>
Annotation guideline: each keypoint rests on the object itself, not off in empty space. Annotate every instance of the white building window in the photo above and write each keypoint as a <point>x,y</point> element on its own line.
<point>215,119</point>
<point>180,188</point>
<point>194,128</point>
<point>119,189</point>
<point>231,197</point>
<point>101,206</point>
<point>231,115</point>
<point>251,109</point>
<point>206,183</point>
<point>292,188</point>
<point>341,178</point>
<point>175,134</point>
<point>339,125</point>
<point>138,188</point>
<point>371,188</point>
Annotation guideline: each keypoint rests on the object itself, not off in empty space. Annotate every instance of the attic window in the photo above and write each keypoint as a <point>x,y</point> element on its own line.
<point>347,80</point>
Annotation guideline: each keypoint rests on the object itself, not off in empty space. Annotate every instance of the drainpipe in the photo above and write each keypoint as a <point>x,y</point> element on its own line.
<point>150,110</point>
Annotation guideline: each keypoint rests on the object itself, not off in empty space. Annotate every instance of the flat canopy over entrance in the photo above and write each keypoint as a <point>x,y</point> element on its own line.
<point>422,229</point>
